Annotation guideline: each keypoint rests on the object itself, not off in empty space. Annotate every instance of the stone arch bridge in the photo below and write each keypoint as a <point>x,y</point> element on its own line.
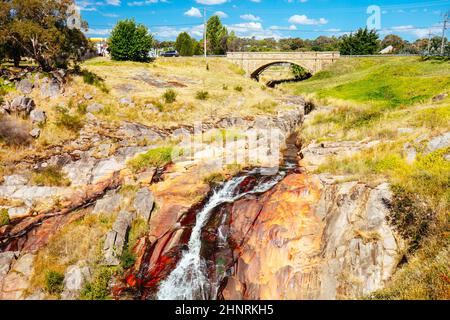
<point>255,63</point>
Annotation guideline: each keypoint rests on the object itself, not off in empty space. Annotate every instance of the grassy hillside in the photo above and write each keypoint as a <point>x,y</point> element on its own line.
<point>137,92</point>
<point>390,100</point>
<point>384,82</point>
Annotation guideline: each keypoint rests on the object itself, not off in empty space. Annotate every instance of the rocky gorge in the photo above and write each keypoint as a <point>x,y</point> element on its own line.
<point>257,233</point>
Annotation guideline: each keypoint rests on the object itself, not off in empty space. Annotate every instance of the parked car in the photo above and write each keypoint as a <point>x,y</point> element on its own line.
<point>170,54</point>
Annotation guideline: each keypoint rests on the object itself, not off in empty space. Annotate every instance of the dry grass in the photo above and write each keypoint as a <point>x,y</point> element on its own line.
<point>78,241</point>
<point>188,76</point>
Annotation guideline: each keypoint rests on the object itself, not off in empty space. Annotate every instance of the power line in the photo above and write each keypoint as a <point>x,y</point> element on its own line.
<point>444,28</point>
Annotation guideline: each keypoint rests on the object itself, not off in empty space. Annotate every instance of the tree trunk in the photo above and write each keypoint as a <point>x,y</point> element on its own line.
<point>16,59</point>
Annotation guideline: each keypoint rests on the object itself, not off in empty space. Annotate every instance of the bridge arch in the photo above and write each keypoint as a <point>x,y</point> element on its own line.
<point>260,69</point>
<point>254,62</point>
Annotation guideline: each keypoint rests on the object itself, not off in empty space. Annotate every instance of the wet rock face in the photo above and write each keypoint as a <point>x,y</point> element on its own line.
<point>312,240</point>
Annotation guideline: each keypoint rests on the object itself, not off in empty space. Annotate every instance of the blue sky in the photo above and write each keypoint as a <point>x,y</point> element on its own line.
<point>267,18</point>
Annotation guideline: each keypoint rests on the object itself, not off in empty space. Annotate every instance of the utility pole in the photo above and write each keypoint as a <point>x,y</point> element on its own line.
<point>429,42</point>
<point>444,28</point>
<point>204,33</point>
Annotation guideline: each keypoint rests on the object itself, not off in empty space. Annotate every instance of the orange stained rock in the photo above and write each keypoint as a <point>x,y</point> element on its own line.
<point>174,196</point>
<point>281,240</point>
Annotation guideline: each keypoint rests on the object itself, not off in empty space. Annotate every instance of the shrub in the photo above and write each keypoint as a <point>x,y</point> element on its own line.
<point>54,282</point>
<point>65,119</point>
<point>170,96</point>
<point>130,41</point>
<point>225,87</point>
<point>153,158</point>
<point>98,288</point>
<point>94,80</point>
<point>202,95</point>
<point>4,217</point>
<point>215,178</point>
<point>51,176</point>
<point>14,132</point>
<point>238,88</point>
<point>411,216</point>
<point>127,259</point>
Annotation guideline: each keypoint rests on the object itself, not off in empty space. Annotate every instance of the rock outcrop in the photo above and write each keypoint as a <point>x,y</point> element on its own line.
<point>312,240</point>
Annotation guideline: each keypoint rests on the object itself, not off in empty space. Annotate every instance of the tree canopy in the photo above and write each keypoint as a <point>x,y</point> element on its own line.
<point>130,41</point>
<point>360,43</point>
<point>216,35</point>
<point>42,30</point>
<point>186,45</point>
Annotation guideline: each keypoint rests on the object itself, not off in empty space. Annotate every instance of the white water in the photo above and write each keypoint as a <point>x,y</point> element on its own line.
<point>188,281</point>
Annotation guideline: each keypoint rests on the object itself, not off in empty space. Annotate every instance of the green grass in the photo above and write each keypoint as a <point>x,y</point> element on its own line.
<point>54,282</point>
<point>94,80</point>
<point>4,217</point>
<point>370,99</point>
<point>157,157</point>
<point>170,96</point>
<point>383,82</point>
<point>202,95</point>
<point>51,176</point>
<point>71,122</point>
<point>98,288</point>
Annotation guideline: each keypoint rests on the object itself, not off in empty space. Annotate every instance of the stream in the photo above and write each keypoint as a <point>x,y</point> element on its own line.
<point>191,279</point>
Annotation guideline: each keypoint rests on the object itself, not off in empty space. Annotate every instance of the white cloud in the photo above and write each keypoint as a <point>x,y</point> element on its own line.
<point>304,20</point>
<point>291,27</point>
<point>193,12</point>
<point>99,32</point>
<point>113,2</point>
<point>412,30</point>
<point>221,14</point>
<point>172,32</point>
<point>143,3</point>
<point>253,29</point>
<point>211,2</point>
<point>250,17</point>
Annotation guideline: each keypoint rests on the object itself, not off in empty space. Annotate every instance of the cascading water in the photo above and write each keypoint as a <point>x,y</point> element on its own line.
<point>189,281</point>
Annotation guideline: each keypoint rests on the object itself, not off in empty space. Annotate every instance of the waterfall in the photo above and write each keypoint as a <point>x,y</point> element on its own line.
<point>189,281</point>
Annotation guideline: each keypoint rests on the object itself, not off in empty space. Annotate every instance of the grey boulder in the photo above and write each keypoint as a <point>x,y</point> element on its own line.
<point>95,107</point>
<point>38,116</point>
<point>144,203</point>
<point>25,86</point>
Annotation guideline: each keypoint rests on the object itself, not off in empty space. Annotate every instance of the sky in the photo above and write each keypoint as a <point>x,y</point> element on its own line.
<point>306,19</point>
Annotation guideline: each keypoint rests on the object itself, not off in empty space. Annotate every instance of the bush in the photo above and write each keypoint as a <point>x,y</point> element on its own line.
<point>411,216</point>
<point>14,132</point>
<point>54,282</point>
<point>238,88</point>
<point>153,158</point>
<point>170,96</point>
<point>202,95</point>
<point>185,45</point>
<point>127,259</point>
<point>130,41</point>
<point>98,288</point>
<point>65,119</point>
<point>94,80</point>
<point>4,217</point>
<point>51,177</point>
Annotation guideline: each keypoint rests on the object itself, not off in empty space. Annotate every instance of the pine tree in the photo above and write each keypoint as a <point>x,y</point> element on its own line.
<point>185,45</point>
<point>360,43</point>
<point>216,36</point>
